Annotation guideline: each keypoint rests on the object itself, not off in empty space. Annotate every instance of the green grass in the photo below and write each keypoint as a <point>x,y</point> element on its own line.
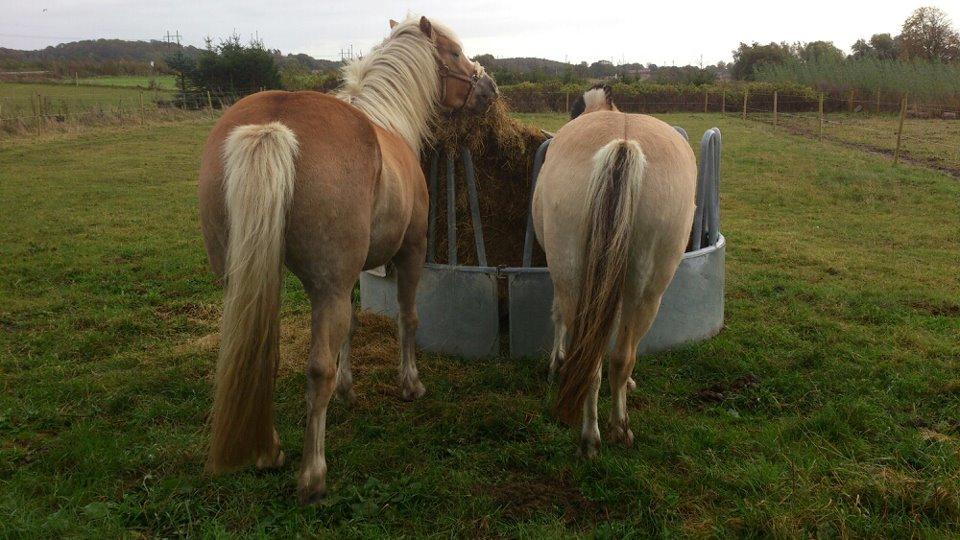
<point>164,82</point>
<point>926,140</point>
<point>841,302</point>
<point>17,99</point>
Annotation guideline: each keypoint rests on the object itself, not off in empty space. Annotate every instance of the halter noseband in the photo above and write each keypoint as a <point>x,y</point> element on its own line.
<point>445,73</point>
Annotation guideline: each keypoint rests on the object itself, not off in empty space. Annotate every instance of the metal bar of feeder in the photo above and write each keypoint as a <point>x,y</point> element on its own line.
<point>451,213</point>
<point>713,225</point>
<point>432,226</point>
<point>528,236</point>
<point>696,234</point>
<point>471,175</point>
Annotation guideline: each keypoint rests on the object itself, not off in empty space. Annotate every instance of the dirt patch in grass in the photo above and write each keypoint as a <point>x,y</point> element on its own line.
<point>522,496</point>
<point>721,391</point>
<point>937,309</point>
<point>375,352</point>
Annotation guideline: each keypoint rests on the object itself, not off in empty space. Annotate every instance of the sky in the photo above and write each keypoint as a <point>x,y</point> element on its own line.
<point>664,33</point>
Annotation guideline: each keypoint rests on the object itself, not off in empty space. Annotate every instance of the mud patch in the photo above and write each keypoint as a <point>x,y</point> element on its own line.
<point>721,391</point>
<point>521,497</point>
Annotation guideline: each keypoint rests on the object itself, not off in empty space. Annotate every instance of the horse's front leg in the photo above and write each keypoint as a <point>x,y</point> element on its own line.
<point>409,264</point>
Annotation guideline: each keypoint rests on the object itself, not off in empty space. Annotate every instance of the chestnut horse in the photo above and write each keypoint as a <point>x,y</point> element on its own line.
<point>330,186</point>
<point>613,208</point>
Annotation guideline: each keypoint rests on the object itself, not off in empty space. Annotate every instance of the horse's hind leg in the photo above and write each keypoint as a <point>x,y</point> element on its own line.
<point>330,325</point>
<point>590,430</point>
<point>344,374</point>
<point>634,324</point>
<point>559,341</point>
<point>409,264</point>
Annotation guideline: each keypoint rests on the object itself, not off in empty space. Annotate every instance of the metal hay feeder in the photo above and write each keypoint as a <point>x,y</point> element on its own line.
<point>459,307</point>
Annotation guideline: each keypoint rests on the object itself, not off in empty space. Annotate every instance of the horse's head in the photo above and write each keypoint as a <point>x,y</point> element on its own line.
<point>598,98</point>
<point>464,84</point>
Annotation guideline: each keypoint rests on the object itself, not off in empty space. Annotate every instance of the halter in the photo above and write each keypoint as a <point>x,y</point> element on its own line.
<point>445,73</point>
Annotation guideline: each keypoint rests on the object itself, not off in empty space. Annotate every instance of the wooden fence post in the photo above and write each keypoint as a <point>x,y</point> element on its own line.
<point>745,92</point>
<point>903,113</point>
<point>141,107</point>
<point>705,98</point>
<point>38,113</point>
<point>567,100</point>
<point>776,117</point>
<point>878,101</point>
<point>821,116</point>
<point>850,100</point>
<point>209,103</point>
<point>723,102</point>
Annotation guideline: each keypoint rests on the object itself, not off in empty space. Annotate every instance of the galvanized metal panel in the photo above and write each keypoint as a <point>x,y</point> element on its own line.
<point>530,303</point>
<point>692,306</point>
<point>691,310</point>
<point>457,308</point>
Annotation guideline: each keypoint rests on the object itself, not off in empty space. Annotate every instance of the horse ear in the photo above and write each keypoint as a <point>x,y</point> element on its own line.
<point>393,24</point>
<point>426,27</point>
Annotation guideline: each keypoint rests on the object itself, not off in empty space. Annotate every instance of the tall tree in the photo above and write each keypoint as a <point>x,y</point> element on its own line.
<point>928,33</point>
<point>747,58</point>
<point>819,51</point>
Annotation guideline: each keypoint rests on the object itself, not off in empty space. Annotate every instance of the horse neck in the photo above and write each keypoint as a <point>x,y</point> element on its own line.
<point>397,87</point>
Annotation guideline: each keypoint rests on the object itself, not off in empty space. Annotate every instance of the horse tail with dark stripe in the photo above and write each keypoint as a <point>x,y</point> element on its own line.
<point>614,191</point>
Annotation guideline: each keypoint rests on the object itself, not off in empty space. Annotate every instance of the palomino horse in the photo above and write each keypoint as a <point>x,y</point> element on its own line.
<point>330,187</point>
<point>612,209</point>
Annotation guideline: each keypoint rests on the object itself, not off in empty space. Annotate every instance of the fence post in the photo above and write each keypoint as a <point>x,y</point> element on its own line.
<point>821,116</point>
<point>120,111</point>
<point>903,113</point>
<point>567,100</point>
<point>38,112</point>
<point>745,92</point>
<point>723,102</point>
<point>878,101</point>
<point>850,101</point>
<point>706,95</point>
<point>776,117</point>
<point>141,107</point>
<point>209,103</point>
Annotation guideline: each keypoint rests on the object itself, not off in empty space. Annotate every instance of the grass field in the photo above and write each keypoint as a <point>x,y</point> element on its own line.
<point>163,82</point>
<point>17,99</point>
<point>828,406</point>
<point>931,141</point>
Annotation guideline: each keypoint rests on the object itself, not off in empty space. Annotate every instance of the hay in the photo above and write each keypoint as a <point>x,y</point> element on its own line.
<point>503,149</point>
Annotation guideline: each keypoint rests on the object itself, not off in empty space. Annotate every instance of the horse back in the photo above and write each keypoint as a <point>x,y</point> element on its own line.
<point>338,168</point>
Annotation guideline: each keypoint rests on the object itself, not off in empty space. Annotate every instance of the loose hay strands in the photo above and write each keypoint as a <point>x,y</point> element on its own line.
<point>503,150</point>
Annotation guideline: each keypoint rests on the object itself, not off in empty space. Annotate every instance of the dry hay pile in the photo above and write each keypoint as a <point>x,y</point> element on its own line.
<point>503,149</point>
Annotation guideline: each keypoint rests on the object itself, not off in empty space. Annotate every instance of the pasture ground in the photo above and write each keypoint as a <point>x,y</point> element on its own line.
<point>829,405</point>
<point>163,82</point>
<point>17,99</point>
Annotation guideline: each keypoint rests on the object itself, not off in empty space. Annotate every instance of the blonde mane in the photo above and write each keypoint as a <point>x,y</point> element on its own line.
<point>398,85</point>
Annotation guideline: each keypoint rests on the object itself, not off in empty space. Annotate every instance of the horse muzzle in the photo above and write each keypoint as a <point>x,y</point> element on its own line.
<point>484,93</point>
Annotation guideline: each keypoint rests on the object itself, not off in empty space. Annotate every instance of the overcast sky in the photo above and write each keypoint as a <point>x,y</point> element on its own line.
<point>668,32</point>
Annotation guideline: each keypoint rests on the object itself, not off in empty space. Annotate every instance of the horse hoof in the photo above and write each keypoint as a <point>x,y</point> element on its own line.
<point>622,436</point>
<point>413,391</point>
<point>312,496</point>
<point>589,448</point>
<point>347,396</point>
<point>276,462</point>
<point>631,384</point>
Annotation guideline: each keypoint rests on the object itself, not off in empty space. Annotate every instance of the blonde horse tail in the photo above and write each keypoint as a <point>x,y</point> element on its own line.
<point>259,163</point>
<point>614,191</point>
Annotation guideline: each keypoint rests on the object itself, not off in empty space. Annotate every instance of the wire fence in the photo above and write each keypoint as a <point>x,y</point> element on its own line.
<point>896,125</point>
<point>37,110</point>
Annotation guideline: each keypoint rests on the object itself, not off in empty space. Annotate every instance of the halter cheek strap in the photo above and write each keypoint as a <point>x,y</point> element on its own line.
<point>472,80</point>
